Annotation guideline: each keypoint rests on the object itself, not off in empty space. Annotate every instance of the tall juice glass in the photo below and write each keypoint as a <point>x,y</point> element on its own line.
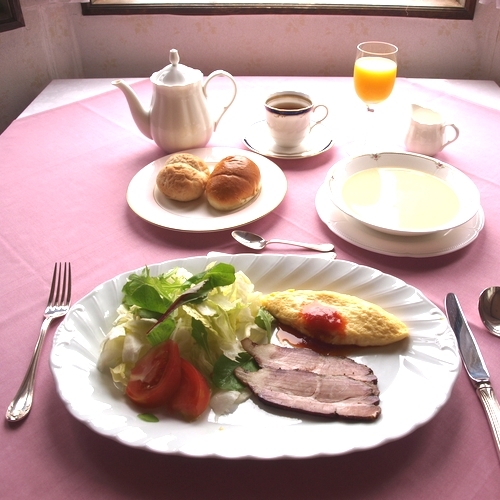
<point>375,72</point>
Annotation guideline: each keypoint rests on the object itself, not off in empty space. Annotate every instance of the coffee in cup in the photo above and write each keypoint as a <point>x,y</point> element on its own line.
<point>289,117</point>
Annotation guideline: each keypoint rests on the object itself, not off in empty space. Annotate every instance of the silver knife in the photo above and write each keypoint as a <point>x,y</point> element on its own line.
<point>474,365</point>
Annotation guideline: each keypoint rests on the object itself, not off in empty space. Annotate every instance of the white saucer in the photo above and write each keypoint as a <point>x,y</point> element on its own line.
<point>259,140</point>
<point>429,245</point>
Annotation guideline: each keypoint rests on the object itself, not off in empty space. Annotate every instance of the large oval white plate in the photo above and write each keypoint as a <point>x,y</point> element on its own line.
<point>464,189</point>
<point>147,201</point>
<point>415,376</point>
<point>428,245</point>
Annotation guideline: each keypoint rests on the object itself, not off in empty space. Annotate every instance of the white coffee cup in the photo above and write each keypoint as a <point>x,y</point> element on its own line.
<point>289,117</point>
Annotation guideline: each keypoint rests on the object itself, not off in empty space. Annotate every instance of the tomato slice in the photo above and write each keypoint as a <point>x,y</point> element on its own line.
<point>193,395</point>
<point>156,376</point>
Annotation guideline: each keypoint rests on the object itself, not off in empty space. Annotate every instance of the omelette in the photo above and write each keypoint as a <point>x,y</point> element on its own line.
<point>335,318</point>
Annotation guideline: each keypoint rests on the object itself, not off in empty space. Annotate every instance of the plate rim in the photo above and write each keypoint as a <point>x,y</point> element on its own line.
<point>144,204</point>
<point>62,342</point>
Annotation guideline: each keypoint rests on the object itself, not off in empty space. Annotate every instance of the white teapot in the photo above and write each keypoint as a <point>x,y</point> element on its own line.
<point>427,133</point>
<point>178,117</point>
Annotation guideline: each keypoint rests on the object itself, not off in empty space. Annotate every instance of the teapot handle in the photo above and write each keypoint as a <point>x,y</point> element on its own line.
<point>221,72</point>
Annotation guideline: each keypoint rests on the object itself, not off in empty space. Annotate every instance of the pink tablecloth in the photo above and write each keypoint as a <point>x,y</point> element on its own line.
<point>64,177</point>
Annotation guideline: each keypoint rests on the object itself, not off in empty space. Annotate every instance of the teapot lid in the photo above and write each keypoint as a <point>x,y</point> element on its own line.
<point>175,73</point>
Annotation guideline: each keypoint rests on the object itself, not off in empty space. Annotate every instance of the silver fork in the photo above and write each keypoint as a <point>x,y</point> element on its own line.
<point>57,306</point>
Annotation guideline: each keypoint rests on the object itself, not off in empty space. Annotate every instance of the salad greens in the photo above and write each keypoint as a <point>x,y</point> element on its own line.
<point>161,295</point>
<point>154,295</point>
<point>223,374</point>
<point>148,417</point>
<point>224,377</point>
<point>206,314</point>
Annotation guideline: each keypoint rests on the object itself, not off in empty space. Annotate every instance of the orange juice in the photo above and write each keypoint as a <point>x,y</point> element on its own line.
<point>374,78</point>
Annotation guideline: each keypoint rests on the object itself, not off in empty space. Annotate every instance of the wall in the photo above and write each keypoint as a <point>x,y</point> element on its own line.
<point>30,57</point>
<point>58,42</point>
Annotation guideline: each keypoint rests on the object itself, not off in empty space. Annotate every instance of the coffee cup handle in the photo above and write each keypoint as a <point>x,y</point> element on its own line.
<point>457,132</point>
<point>321,119</point>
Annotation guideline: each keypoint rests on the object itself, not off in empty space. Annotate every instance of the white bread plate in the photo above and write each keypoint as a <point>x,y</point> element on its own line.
<point>146,200</point>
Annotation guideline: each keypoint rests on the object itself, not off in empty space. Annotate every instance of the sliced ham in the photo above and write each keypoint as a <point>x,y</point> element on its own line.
<point>328,396</point>
<point>285,358</point>
<point>303,380</point>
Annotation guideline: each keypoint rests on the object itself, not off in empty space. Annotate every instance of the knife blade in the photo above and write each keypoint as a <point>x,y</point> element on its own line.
<point>474,365</point>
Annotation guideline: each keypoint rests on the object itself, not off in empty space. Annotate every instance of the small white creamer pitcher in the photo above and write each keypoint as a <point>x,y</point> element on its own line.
<point>427,133</point>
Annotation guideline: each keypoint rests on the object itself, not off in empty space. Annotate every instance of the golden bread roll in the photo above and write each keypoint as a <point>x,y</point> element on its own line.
<point>183,178</point>
<point>234,181</point>
<point>335,318</point>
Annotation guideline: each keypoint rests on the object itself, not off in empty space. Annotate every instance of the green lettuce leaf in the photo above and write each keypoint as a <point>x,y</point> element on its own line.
<point>223,375</point>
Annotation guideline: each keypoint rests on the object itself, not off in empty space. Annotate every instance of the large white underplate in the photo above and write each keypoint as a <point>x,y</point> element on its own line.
<point>429,245</point>
<point>148,202</point>
<point>415,376</point>
<point>382,211</point>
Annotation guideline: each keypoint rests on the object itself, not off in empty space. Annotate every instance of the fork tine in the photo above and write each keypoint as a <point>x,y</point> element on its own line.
<point>57,298</point>
<point>60,285</point>
<point>69,284</point>
<point>53,285</point>
<point>66,299</point>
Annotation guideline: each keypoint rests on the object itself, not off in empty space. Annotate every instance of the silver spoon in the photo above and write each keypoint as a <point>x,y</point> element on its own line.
<point>489,309</point>
<point>256,242</point>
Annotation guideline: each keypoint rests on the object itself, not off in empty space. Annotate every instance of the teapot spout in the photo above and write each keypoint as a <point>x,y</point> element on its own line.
<point>139,114</point>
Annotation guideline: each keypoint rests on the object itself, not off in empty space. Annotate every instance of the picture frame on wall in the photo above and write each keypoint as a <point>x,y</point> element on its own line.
<point>11,15</point>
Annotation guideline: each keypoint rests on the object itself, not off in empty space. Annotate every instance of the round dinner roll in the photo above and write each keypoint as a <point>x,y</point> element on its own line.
<point>183,178</point>
<point>192,160</point>
<point>234,181</point>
